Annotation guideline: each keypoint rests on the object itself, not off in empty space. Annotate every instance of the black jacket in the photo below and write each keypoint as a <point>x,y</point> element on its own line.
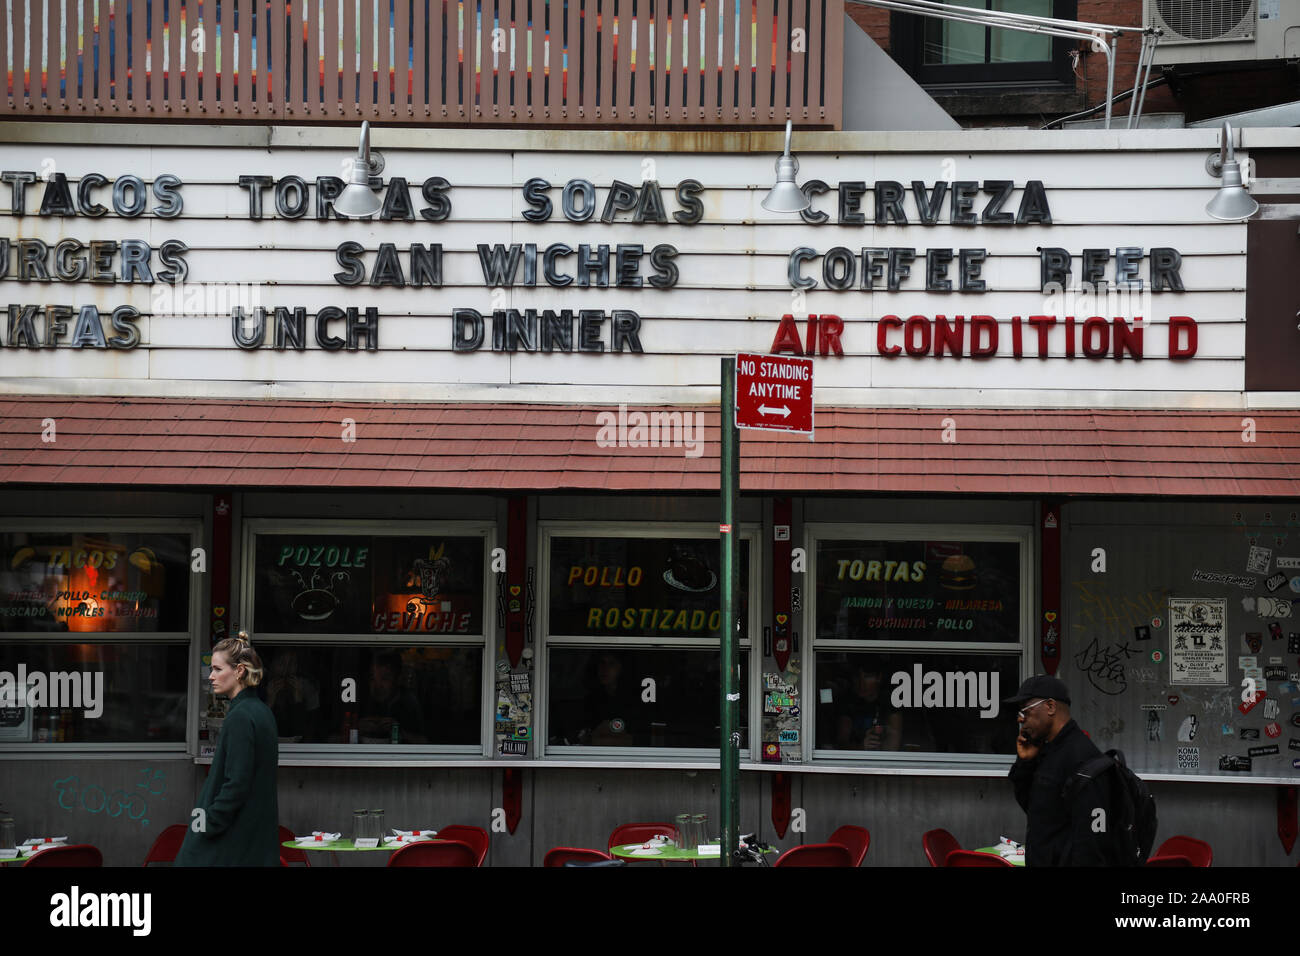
<point>239,798</point>
<point>1059,834</point>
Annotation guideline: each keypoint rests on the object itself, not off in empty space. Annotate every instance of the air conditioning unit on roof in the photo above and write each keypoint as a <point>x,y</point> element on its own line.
<point>1217,31</point>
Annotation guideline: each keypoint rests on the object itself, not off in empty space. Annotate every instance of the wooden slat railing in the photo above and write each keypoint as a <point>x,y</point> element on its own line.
<point>591,63</point>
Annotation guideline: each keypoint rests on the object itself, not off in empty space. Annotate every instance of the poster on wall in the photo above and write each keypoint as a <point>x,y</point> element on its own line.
<point>1199,651</point>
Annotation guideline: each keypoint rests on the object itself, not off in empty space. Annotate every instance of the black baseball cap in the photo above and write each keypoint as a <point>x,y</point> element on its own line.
<point>1040,686</point>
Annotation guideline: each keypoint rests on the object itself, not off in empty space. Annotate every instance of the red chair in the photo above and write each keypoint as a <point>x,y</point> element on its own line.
<point>1169,860</point>
<point>77,855</point>
<point>857,840</point>
<point>435,853</point>
<point>971,858</point>
<point>626,833</point>
<point>289,854</point>
<point>167,845</point>
<point>561,855</point>
<point>1198,852</point>
<point>938,844</point>
<point>476,838</point>
<point>815,854</point>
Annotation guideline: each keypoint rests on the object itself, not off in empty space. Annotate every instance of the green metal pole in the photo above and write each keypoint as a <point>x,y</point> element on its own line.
<point>730,689</point>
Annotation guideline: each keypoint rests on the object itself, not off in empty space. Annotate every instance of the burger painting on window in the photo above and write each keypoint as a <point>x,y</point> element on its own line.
<point>918,591</point>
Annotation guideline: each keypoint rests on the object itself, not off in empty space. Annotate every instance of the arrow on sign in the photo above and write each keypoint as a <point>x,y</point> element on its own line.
<point>782,411</point>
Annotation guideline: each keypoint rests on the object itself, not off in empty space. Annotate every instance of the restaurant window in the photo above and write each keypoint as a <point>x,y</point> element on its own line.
<point>632,621</point>
<point>371,636</point>
<point>950,53</point>
<point>95,623</point>
<point>918,635</point>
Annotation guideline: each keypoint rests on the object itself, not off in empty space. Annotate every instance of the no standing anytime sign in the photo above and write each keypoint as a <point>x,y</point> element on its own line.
<point>774,392</point>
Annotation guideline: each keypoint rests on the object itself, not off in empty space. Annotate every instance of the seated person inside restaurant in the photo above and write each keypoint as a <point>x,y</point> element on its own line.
<point>863,717</point>
<point>388,703</point>
<point>612,707</point>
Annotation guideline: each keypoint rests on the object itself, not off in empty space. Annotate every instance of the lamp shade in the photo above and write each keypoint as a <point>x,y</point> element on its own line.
<point>358,200</point>
<point>1232,202</point>
<point>786,196</point>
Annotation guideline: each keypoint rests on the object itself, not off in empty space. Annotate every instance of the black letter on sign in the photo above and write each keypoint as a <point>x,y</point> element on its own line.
<point>588,191</point>
<point>466,330</point>
<point>166,189</point>
<point>963,201</point>
<point>369,326</point>
<point>1053,268</point>
<point>348,255</point>
<point>993,214</point>
<point>929,208</point>
<point>88,206</point>
<point>18,184</point>
<point>1165,263</point>
<point>814,187</point>
<point>850,201</point>
<point>323,338</point>
<point>535,196</point>
<point>57,200</point>
<point>124,317</point>
<point>291,197</point>
<point>328,189</point>
<point>692,211</point>
<point>889,203</point>
<point>1033,204</point>
<point>439,205</point>
<point>650,207</point>
<point>248,340</point>
<point>397,201</point>
<point>254,185</point>
<point>661,260</point>
<point>388,268</point>
<point>621,198</point>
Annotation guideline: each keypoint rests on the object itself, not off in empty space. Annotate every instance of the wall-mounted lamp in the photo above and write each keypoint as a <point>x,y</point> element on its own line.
<point>358,200</point>
<point>1231,202</point>
<point>786,196</point>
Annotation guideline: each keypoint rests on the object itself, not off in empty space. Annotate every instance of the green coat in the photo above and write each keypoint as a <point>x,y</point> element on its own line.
<point>239,798</point>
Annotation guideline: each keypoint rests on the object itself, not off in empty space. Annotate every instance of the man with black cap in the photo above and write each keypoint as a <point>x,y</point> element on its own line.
<point>1063,830</point>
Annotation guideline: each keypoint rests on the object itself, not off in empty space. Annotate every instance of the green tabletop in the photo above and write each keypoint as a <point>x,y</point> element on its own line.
<point>1013,860</point>
<point>666,853</point>
<point>344,846</point>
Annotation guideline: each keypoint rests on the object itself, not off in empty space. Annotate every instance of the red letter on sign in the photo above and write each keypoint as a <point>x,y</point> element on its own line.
<point>831,327</point>
<point>1178,324</point>
<point>882,330</point>
<point>787,338</point>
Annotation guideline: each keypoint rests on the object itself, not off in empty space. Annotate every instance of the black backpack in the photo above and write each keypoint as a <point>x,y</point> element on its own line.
<point>1132,822</point>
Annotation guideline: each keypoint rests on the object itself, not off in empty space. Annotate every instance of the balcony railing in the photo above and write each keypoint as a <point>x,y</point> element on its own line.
<point>638,63</point>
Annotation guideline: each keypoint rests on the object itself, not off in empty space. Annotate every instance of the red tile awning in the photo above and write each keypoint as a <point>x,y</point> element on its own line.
<point>524,447</point>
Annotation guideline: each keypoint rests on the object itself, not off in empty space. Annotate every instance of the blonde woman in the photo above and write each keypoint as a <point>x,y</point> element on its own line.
<point>239,823</point>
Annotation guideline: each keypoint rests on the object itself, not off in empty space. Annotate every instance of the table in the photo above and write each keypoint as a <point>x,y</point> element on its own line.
<point>1013,860</point>
<point>340,846</point>
<point>667,854</point>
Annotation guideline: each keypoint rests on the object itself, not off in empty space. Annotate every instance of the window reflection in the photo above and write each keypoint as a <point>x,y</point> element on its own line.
<point>637,697</point>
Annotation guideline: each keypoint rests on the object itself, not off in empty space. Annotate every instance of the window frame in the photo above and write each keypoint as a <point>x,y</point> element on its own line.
<point>816,532</point>
<point>907,41</point>
<point>485,641</point>
<point>189,525</point>
<point>546,530</point>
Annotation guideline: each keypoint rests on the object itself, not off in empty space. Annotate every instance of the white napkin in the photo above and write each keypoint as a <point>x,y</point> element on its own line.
<point>647,850</point>
<point>324,838</point>
<point>408,836</point>
<point>40,841</point>
<point>1008,848</point>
